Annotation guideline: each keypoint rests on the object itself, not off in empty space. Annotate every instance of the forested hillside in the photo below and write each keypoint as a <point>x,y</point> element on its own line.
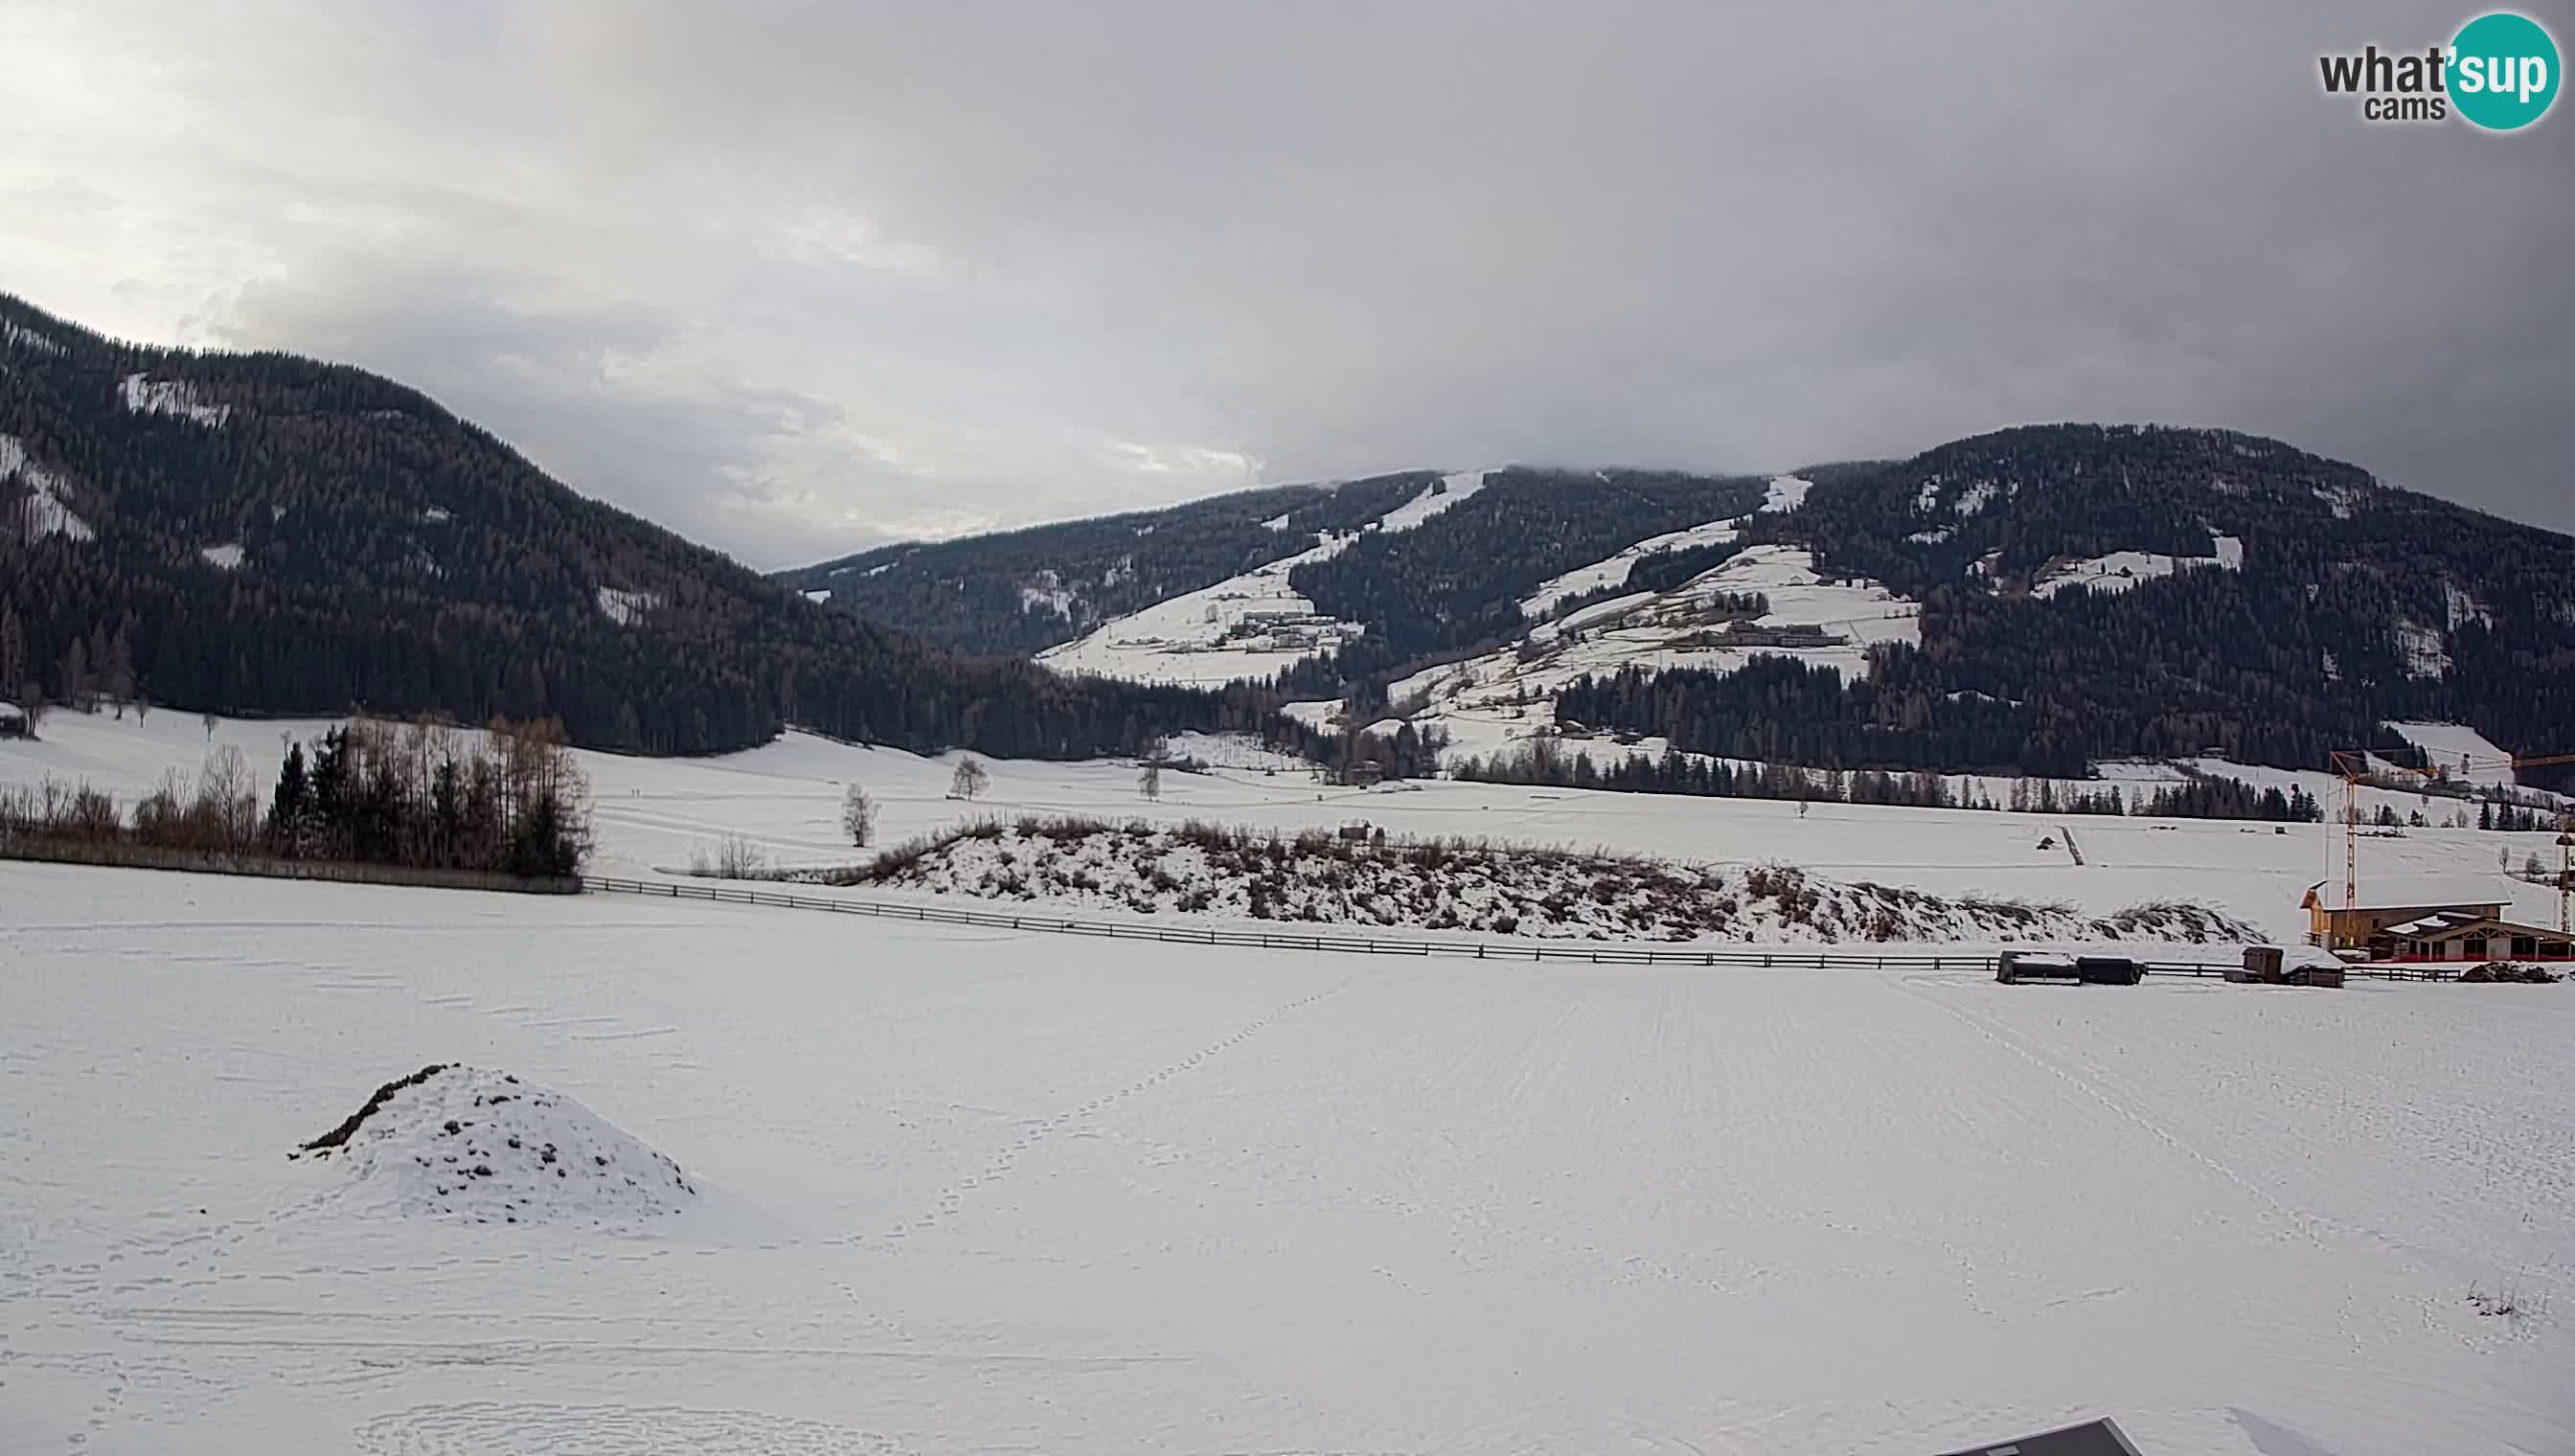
<point>264,534</point>
<point>2307,606</point>
<point>1021,591</point>
<point>1455,581</point>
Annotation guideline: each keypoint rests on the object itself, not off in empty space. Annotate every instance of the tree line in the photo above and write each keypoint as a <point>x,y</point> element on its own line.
<point>509,799</point>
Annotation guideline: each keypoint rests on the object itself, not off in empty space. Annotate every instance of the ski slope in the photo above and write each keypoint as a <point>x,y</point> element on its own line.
<point>969,1191</point>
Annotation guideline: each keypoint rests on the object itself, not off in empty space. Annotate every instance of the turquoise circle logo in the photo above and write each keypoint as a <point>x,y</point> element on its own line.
<point>2503,71</point>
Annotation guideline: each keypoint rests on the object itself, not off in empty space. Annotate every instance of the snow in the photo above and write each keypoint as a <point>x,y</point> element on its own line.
<point>971,1190</point>
<point>2464,607</point>
<point>1318,715</point>
<point>1785,493</point>
<point>1480,701</point>
<point>1932,537</point>
<point>42,513</point>
<point>626,609</point>
<point>2449,744</point>
<point>11,712</point>
<point>14,334</point>
<point>1250,626</point>
<point>172,397</point>
<point>227,556</point>
<point>1614,570</point>
<point>1471,889</point>
<point>819,595</point>
<point>786,796</point>
<point>2122,570</point>
<point>437,516</point>
<point>1054,600</point>
<point>2426,655</point>
<point>485,1147</point>
<point>1232,750</point>
<point>1277,522</point>
<point>2339,499</point>
<point>1977,497</point>
<point>1447,495</point>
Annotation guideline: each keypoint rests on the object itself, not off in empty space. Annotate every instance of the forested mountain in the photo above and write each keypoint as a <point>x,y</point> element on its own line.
<point>264,534</point>
<point>1021,591</point>
<point>2299,607</point>
<point>2085,592</point>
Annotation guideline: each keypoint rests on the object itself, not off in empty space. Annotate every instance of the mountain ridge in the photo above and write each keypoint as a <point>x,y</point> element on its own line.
<point>261,532</point>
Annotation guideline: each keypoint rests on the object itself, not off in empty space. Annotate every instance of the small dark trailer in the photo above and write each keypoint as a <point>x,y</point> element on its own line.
<point>2013,967</point>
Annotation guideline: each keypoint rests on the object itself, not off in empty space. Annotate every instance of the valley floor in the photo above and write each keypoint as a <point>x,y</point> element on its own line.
<point>784,799</point>
<point>981,1193</point>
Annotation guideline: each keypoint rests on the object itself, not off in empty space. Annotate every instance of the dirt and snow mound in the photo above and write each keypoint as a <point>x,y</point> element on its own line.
<point>1326,878</point>
<point>484,1148</point>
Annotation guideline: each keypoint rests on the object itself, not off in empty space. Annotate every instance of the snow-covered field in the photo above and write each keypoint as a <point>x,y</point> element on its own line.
<point>976,1192</point>
<point>654,813</point>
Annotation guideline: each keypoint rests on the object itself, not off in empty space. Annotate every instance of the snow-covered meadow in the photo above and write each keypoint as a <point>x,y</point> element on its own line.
<point>966,1191</point>
<point>784,800</point>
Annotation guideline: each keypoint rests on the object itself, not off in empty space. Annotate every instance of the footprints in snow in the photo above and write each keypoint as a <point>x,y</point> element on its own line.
<point>951,1200</point>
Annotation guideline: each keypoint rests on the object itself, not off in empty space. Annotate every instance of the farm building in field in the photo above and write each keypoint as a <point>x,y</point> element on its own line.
<point>2385,902</point>
<point>2450,936</point>
<point>2429,920</point>
<point>13,722</point>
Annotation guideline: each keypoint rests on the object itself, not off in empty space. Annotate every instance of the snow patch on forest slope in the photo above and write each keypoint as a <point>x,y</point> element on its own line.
<point>476,1146</point>
<point>1785,493</point>
<point>624,607</point>
<point>2448,744</point>
<point>1451,491</point>
<point>2426,655</point>
<point>14,334</point>
<point>227,556</point>
<point>2122,570</point>
<point>1248,626</point>
<point>43,512</point>
<point>1613,571</point>
<point>1321,877</point>
<point>171,396</point>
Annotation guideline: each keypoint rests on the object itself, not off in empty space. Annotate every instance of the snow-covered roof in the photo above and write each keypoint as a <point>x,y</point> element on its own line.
<point>10,712</point>
<point>2433,927</point>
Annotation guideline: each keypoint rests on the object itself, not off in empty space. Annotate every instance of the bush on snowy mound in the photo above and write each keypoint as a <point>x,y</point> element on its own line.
<point>2503,971</point>
<point>484,1148</point>
<point>1450,885</point>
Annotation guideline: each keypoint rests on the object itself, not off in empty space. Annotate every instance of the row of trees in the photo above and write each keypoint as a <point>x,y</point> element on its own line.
<point>1547,761</point>
<point>509,799</point>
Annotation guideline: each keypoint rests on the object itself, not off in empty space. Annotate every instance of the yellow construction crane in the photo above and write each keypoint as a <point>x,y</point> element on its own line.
<point>2352,767</point>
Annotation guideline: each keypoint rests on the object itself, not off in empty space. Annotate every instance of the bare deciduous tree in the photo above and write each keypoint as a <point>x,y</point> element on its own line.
<point>1149,779</point>
<point>857,816</point>
<point>209,718</point>
<point>971,778</point>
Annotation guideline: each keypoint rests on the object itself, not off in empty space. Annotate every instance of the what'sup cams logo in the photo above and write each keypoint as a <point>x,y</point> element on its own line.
<point>2498,73</point>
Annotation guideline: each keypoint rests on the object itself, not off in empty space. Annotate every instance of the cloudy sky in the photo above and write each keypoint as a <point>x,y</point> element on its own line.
<point>796,279</point>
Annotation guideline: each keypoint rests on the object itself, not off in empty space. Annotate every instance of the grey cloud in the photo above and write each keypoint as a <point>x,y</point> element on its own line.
<point>798,277</point>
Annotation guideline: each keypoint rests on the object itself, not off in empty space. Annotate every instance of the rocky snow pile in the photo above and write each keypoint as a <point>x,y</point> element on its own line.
<point>484,1148</point>
<point>1324,879</point>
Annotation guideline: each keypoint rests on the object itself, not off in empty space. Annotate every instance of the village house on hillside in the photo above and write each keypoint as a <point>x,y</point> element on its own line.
<point>2427,920</point>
